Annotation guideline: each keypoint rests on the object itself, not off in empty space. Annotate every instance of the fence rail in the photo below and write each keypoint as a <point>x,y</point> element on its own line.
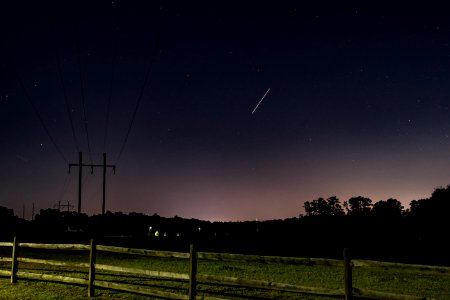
<point>269,259</point>
<point>391,265</point>
<point>155,253</point>
<point>80,247</point>
<point>50,277</point>
<point>139,289</point>
<point>6,259</point>
<point>365,293</point>
<point>52,262</point>
<point>263,284</point>
<point>348,291</point>
<point>134,271</point>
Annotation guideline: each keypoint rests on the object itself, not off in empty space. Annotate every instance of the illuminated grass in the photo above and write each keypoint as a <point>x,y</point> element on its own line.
<point>417,283</point>
<point>420,283</point>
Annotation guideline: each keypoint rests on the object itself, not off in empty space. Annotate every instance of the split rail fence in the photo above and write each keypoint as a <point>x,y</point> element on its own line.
<point>347,292</point>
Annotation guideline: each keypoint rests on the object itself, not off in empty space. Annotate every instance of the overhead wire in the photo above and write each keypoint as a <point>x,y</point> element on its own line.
<point>135,111</point>
<point>141,93</point>
<point>108,105</point>
<point>83,100</point>
<point>16,77</point>
<point>41,120</point>
<point>52,23</point>
<point>66,100</point>
<point>111,84</point>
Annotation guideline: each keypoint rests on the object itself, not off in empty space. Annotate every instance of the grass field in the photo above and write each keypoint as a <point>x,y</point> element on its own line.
<point>420,283</point>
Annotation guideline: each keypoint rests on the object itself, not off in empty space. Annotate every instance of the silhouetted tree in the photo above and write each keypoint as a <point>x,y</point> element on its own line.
<point>390,208</point>
<point>434,208</point>
<point>438,206</point>
<point>322,207</point>
<point>418,207</point>
<point>358,206</point>
<point>7,221</point>
<point>6,213</point>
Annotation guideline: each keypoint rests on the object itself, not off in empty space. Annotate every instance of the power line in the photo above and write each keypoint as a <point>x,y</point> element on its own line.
<point>83,102</point>
<point>27,96</point>
<point>66,100</point>
<point>135,110</point>
<point>54,37</point>
<point>141,93</point>
<point>108,105</point>
<point>36,111</point>
<point>59,206</point>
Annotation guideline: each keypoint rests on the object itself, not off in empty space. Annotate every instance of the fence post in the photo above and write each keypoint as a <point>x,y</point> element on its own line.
<point>348,275</point>
<point>15,263</point>
<point>193,273</point>
<point>92,256</point>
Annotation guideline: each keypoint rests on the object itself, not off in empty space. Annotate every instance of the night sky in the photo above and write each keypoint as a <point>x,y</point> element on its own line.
<point>358,105</point>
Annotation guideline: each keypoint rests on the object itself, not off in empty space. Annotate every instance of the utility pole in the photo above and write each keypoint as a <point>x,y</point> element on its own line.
<point>80,166</point>
<point>68,205</point>
<point>58,205</point>
<point>80,174</point>
<point>32,212</point>
<point>104,180</point>
<point>23,212</point>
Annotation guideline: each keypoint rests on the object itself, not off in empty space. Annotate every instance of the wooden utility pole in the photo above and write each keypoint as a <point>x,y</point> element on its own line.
<point>32,212</point>
<point>59,206</point>
<point>104,180</point>
<point>68,205</point>
<point>80,166</point>
<point>80,177</point>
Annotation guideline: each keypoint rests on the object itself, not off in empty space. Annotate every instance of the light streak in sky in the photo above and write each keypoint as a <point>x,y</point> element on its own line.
<point>262,98</point>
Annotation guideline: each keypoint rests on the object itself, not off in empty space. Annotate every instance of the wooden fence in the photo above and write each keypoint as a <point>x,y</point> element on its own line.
<point>347,292</point>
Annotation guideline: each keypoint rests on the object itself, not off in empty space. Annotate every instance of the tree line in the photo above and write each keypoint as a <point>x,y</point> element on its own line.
<point>437,206</point>
<point>381,230</point>
<point>357,206</point>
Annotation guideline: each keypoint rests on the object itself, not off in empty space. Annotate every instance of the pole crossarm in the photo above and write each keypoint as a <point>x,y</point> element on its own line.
<point>68,206</point>
<point>59,206</point>
<point>80,166</point>
<point>92,167</point>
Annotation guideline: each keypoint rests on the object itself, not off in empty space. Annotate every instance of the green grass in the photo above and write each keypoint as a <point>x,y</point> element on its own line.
<point>420,283</point>
<point>417,283</point>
